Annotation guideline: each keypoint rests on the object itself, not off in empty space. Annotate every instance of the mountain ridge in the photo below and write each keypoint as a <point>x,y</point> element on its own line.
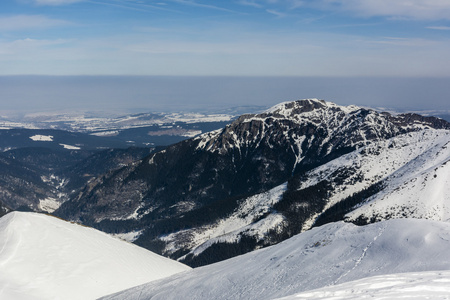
<point>200,181</point>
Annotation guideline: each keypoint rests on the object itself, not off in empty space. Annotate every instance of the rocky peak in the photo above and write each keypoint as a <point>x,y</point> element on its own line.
<point>314,121</point>
<point>294,108</point>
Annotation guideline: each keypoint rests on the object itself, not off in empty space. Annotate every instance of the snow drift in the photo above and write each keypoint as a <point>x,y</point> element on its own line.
<point>42,257</point>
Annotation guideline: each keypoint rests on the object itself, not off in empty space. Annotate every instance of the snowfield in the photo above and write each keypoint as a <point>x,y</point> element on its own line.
<point>421,285</point>
<point>49,205</point>
<point>420,188</point>
<point>413,167</point>
<point>70,147</point>
<point>324,256</point>
<point>42,138</point>
<point>42,257</point>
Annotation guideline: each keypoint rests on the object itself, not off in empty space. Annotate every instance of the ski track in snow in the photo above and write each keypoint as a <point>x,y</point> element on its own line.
<point>359,260</point>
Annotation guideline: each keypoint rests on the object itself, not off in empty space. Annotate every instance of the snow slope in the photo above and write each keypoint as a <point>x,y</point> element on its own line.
<point>413,168</point>
<point>419,189</point>
<point>417,285</point>
<point>42,257</point>
<point>329,255</point>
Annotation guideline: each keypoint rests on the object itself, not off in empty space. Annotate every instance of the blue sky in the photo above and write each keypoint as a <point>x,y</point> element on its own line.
<point>399,38</point>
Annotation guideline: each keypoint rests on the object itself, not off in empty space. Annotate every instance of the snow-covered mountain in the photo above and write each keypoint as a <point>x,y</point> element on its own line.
<point>324,256</point>
<point>42,257</point>
<point>309,166</point>
<point>399,166</point>
<point>406,167</point>
<point>263,178</point>
<point>420,188</point>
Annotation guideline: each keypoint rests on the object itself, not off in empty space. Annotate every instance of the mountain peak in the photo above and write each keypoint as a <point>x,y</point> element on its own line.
<point>291,108</point>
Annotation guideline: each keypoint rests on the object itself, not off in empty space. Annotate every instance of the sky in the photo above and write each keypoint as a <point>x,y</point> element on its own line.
<point>300,39</point>
<point>237,37</point>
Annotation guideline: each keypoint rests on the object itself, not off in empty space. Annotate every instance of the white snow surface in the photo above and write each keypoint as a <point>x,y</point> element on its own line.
<point>87,122</point>
<point>417,285</point>
<point>420,188</point>
<point>323,256</point>
<point>42,257</point>
<point>406,163</point>
<point>281,108</point>
<point>70,147</point>
<point>106,133</point>
<point>49,204</point>
<point>42,138</point>
<point>129,236</point>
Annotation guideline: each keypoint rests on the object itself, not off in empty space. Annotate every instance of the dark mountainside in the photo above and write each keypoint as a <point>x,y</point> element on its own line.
<point>3,209</point>
<point>21,138</point>
<point>202,180</point>
<point>28,175</point>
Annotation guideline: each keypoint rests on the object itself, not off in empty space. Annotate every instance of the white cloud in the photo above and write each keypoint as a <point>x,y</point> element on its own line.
<point>26,46</point>
<point>406,42</point>
<point>410,9</point>
<point>20,22</point>
<point>407,9</point>
<point>296,3</point>
<point>276,13</point>
<point>231,53</point>
<point>56,2</point>
<point>201,5</point>
<point>439,27</point>
<point>249,3</point>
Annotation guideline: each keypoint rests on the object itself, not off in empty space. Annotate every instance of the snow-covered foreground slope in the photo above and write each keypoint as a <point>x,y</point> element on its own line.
<point>327,255</point>
<point>417,285</point>
<point>42,257</point>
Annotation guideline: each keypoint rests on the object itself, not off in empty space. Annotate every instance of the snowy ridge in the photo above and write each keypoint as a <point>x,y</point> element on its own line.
<point>332,254</point>
<point>288,109</point>
<point>420,189</point>
<point>312,121</point>
<point>395,162</point>
<point>42,257</point>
